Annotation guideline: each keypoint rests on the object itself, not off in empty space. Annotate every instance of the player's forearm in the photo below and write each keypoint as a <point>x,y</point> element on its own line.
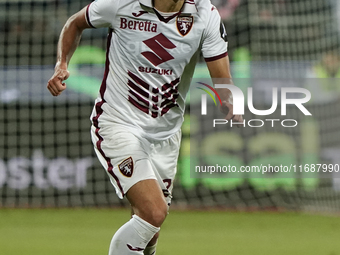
<point>68,41</point>
<point>220,73</point>
<point>225,94</point>
<point>70,37</point>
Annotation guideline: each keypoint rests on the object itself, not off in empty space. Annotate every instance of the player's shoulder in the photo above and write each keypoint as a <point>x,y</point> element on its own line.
<point>205,8</point>
<point>201,3</point>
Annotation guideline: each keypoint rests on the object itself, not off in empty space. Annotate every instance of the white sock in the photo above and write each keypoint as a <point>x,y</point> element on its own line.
<point>150,250</point>
<point>132,237</point>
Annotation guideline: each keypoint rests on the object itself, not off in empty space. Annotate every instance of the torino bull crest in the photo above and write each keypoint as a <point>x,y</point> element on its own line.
<point>184,24</point>
<point>126,167</point>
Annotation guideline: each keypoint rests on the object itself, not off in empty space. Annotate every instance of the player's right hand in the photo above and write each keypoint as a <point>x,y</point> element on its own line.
<point>228,109</point>
<point>56,84</point>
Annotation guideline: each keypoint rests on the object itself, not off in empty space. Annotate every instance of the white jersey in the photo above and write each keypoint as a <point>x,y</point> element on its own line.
<point>150,61</point>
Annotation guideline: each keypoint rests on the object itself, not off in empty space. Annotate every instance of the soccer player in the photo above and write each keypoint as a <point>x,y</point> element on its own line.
<point>152,50</point>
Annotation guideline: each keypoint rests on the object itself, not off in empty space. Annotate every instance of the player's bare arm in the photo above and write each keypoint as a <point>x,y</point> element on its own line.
<point>68,42</point>
<point>221,69</point>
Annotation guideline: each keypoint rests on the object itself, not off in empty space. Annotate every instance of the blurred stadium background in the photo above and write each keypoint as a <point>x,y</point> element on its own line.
<point>47,160</point>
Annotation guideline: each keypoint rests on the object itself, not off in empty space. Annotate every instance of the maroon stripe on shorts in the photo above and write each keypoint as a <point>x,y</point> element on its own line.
<point>99,111</point>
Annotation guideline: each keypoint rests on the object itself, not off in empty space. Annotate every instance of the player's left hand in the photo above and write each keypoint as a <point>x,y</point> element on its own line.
<point>228,109</point>
<point>56,84</point>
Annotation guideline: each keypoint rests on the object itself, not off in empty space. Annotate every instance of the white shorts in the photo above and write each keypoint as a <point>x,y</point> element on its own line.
<point>129,159</point>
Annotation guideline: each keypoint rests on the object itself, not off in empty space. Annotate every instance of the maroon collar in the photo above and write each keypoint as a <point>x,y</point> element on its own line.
<point>166,20</point>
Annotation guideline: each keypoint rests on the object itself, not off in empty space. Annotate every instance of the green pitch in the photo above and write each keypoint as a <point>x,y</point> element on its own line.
<point>88,231</point>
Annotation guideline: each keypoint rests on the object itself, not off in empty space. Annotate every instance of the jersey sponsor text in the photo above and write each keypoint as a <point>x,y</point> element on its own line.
<point>155,70</point>
<point>146,26</point>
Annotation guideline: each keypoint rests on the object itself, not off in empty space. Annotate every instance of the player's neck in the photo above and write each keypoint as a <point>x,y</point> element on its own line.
<point>168,5</point>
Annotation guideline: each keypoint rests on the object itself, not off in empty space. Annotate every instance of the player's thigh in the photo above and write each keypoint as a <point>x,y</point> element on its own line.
<point>123,155</point>
<point>164,159</point>
<point>147,201</point>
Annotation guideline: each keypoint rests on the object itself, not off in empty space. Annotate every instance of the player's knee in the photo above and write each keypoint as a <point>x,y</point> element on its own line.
<point>158,215</point>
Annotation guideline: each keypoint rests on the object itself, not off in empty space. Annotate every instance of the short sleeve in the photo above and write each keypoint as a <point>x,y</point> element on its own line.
<point>215,43</point>
<point>101,13</point>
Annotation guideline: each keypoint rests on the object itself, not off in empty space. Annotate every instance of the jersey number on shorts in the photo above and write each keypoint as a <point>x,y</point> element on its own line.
<point>158,45</point>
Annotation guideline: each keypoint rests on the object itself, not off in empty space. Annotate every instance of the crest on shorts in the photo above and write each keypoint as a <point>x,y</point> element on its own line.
<point>184,24</point>
<point>126,167</point>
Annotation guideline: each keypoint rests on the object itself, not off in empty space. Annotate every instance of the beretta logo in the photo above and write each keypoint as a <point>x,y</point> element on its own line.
<point>184,24</point>
<point>126,167</point>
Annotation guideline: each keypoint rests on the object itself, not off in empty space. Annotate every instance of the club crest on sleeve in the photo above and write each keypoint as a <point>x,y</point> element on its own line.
<point>126,167</point>
<point>223,32</point>
<point>184,24</point>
